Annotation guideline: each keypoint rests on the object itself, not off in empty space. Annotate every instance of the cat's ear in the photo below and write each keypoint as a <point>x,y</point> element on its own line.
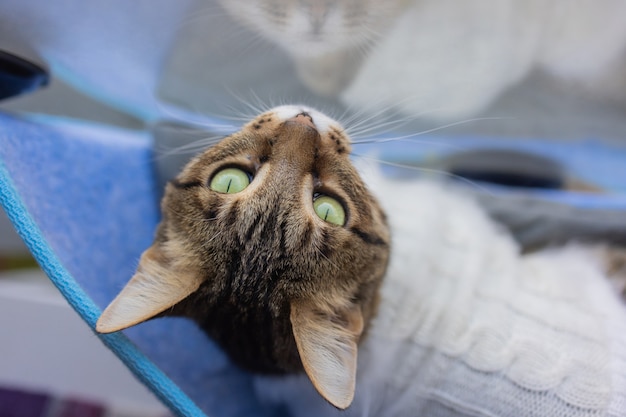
<point>153,289</point>
<point>327,344</point>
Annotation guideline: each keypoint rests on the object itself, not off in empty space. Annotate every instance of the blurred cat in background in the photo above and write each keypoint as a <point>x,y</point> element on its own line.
<point>445,59</point>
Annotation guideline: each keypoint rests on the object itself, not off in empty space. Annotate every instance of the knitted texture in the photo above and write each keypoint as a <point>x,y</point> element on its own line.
<point>469,327</point>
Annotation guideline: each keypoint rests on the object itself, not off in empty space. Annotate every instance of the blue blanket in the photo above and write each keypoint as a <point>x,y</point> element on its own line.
<point>83,198</point>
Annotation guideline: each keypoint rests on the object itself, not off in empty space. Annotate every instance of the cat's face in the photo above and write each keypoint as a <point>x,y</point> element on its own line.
<point>272,243</point>
<point>309,28</point>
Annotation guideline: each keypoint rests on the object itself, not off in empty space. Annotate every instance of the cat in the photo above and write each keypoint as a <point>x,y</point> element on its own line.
<point>443,59</point>
<point>404,300</point>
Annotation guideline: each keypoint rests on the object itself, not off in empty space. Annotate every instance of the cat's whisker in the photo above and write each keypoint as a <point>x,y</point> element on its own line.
<point>380,107</point>
<point>194,120</point>
<point>365,116</point>
<point>367,36</point>
<point>350,117</point>
<point>424,132</point>
<point>439,143</point>
<point>192,147</point>
<point>260,103</point>
<point>242,109</point>
<point>435,171</point>
<point>230,116</point>
<point>384,107</point>
<point>241,120</point>
<point>393,123</point>
<point>234,31</point>
<point>393,104</point>
<point>344,117</point>
<point>184,129</point>
<point>249,107</point>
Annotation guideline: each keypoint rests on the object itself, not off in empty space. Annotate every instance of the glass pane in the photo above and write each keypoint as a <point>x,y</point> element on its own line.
<point>523,70</point>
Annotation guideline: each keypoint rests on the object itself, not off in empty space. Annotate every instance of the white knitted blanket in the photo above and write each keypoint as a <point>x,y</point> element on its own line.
<point>469,327</point>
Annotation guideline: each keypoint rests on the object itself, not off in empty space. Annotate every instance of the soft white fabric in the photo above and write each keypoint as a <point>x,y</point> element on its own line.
<point>469,327</point>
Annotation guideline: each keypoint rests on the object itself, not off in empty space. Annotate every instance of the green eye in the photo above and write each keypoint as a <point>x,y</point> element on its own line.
<point>230,181</point>
<point>330,210</point>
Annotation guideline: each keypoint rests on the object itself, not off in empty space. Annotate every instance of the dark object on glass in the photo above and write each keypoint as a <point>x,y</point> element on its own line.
<point>19,76</point>
<point>507,167</point>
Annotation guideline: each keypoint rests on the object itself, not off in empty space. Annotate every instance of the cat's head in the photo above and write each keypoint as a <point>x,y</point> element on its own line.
<point>272,243</point>
<point>309,28</point>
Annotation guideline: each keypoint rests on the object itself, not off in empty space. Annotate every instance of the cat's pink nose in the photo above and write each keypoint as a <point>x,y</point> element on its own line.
<point>303,118</point>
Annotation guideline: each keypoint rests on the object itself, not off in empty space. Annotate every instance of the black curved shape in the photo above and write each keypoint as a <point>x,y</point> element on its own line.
<point>507,167</point>
<point>19,76</point>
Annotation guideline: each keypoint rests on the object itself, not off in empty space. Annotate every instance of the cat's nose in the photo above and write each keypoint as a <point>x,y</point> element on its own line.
<point>303,118</point>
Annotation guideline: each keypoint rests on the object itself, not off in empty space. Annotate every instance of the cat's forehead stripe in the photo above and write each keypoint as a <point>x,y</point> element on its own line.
<point>369,238</point>
<point>185,185</point>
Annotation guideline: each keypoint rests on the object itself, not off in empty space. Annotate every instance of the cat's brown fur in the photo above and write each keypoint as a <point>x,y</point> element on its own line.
<point>259,271</point>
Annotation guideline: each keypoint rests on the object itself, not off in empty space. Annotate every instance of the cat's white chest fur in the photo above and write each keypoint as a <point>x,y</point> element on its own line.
<point>468,327</point>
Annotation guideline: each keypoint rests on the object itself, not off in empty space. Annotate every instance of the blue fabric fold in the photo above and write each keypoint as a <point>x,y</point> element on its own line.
<point>82,197</point>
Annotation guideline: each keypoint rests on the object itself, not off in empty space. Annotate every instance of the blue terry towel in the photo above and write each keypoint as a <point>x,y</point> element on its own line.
<point>83,199</point>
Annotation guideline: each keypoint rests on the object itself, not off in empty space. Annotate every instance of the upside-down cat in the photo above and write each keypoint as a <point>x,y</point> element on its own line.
<point>274,244</point>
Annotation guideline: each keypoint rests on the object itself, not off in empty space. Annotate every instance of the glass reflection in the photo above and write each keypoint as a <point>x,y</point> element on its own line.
<point>531,68</point>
